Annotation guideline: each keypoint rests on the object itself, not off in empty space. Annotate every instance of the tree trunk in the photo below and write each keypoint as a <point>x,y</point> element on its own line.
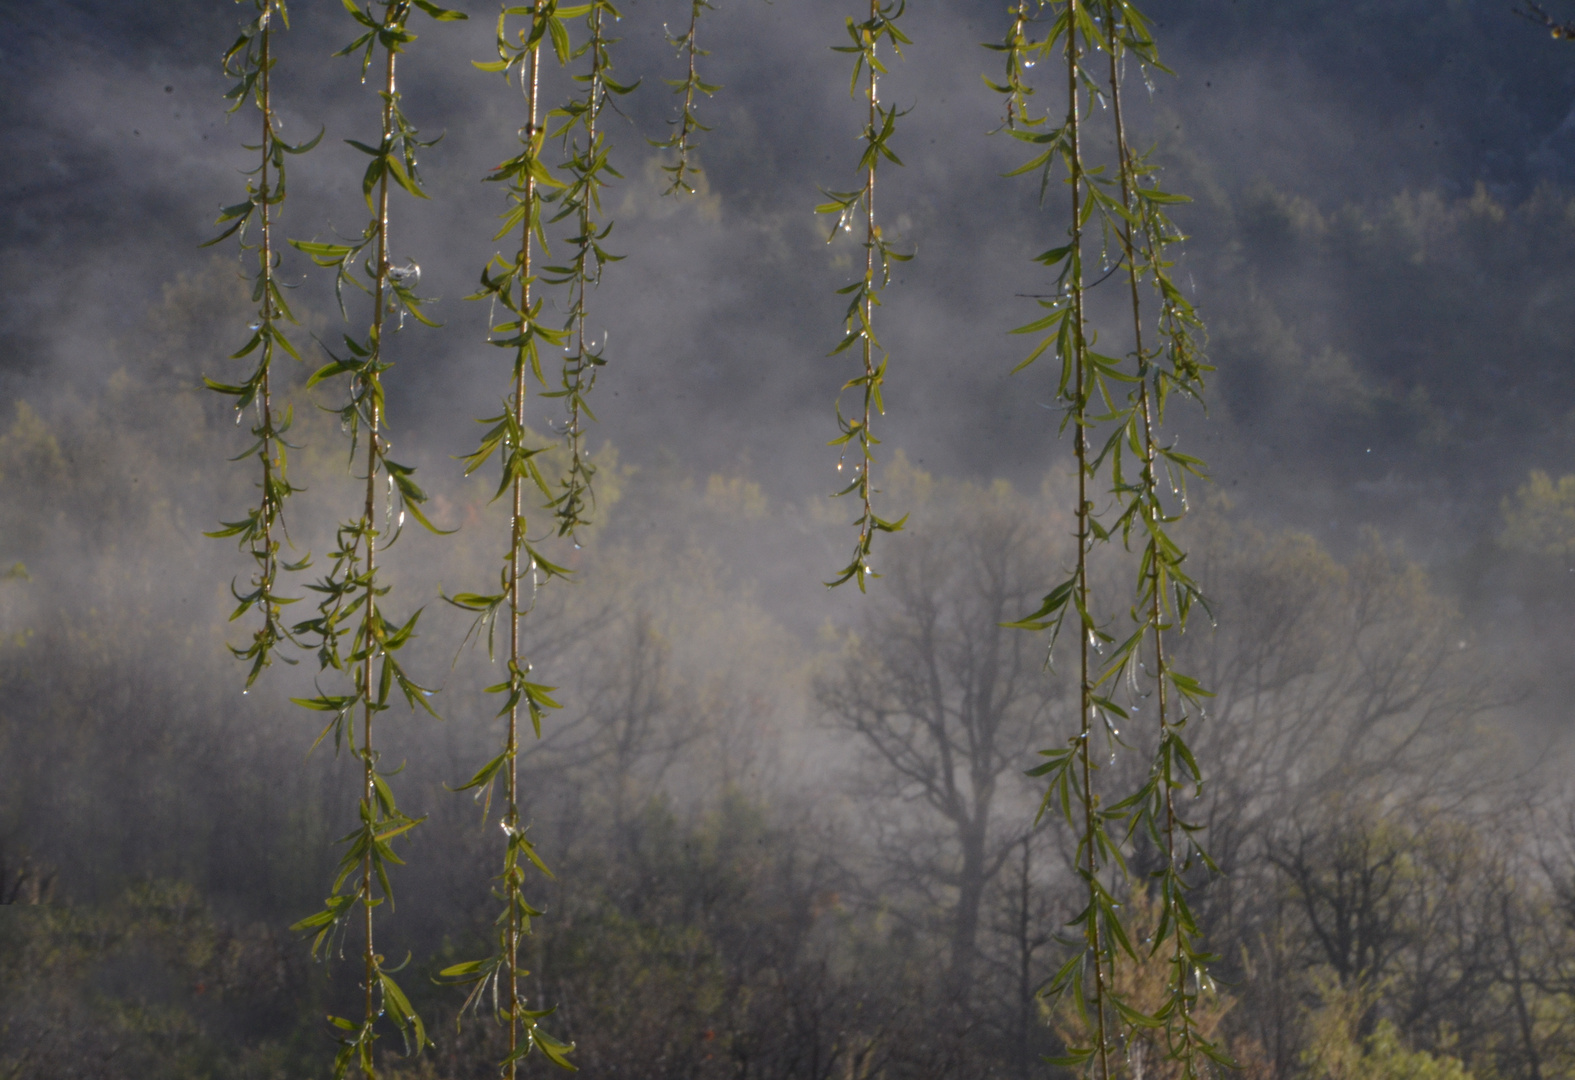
<point>965,920</point>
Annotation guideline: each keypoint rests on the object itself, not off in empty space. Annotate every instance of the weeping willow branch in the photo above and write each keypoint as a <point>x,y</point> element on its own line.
<point>508,283</point>
<point>1165,592</point>
<point>351,589</point>
<point>864,294</point>
<point>588,169</point>
<point>249,62</point>
<point>1130,397</point>
<point>681,141</point>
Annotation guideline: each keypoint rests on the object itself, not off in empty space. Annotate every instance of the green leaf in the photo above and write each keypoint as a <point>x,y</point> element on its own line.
<point>438,13</point>
<point>485,774</point>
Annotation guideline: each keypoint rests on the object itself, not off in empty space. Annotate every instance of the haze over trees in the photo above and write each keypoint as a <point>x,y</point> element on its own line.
<point>791,836</point>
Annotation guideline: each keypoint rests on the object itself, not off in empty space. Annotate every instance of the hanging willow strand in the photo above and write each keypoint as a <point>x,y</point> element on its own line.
<point>249,62</point>
<point>1131,406</point>
<point>508,283</point>
<point>1093,825</point>
<point>1070,769</point>
<point>352,590</point>
<point>581,199</point>
<point>681,141</point>
<point>864,294</point>
<point>1166,593</point>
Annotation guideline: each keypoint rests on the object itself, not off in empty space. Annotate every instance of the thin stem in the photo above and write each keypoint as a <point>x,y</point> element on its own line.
<point>268,316</point>
<point>691,83</point>
<point>871,235</point>
<point>517,544</point>
<point>369,623</point>
<point>1084,531</point>
<point>578,483</point>
<point>249,62</point>
<point>1151,515</point>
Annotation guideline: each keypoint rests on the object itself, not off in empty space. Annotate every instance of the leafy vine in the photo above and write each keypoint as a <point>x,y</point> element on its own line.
<point>864,294</point>
<point>580,199</point>
<point>509,284</point>
<point>1130,395</point>
<point>1165,592</point>
<point>681,141</point>
<point>352,588</point>
<point>249,62</point>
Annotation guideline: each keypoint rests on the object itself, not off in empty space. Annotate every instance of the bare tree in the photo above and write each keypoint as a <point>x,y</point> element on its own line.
<point>1348,774</point>
<point>946,704</point>
<point>1331,680</point>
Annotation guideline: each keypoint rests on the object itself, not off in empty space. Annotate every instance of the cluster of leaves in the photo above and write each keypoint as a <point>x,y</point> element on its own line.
<point>533,187</point>
<point>681,141</point>
<point>864,294</point>
<point>1124,398</point>
<point>350,631</point>
<point>587,168</point>
<point>249,63</point>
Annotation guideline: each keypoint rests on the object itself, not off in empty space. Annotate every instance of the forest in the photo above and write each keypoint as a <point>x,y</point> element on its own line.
<point>749,826</point>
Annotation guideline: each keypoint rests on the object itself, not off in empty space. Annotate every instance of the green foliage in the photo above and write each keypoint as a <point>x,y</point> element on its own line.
<point>580,199</point>
<point>681,141</point>
<point>1121,401</point>
<point>510,283</point>
<point>864,295</point>
<point>351,632</point>
<point>1540,520</point>
<point>249,62</point>
<point>150,984</point>
<point>1338,1050</point>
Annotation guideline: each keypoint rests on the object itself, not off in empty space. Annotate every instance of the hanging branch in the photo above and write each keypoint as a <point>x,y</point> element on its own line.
<point>588,169</point>
<point>864,294</point>
<point>1164,593</point>
<point>682,140</point>
<point>1095,960</point>
<point>1087,974</point>
<point>508,283</point>
<point>249,62</point>
<point>351,589</point>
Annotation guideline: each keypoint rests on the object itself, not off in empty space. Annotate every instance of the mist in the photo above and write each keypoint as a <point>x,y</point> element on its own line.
<point>763,865</point>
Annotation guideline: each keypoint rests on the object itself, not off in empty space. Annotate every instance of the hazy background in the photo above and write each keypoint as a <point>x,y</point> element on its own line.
<point>1382,246</point>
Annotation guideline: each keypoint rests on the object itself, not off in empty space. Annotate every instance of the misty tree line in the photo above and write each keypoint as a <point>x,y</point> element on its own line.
<point>717,908</point>
<point>739,894</point>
